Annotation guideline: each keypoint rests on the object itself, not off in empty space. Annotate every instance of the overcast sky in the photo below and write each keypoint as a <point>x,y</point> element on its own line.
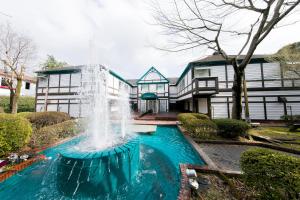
<point>117,32</point>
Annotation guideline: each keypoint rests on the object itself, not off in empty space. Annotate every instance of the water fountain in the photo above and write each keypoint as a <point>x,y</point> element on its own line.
<point>107,158</point>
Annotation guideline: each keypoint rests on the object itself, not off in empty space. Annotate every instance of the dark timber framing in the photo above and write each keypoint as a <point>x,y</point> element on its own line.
<point>264,88</point>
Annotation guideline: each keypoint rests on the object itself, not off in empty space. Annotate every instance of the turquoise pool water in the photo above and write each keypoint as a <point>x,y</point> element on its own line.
<point>158,176</point>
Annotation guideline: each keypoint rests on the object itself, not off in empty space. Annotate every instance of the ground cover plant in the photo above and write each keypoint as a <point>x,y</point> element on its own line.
<point>15,132</point>
<point>273,175</point>
<point>223,187</point>
<point>41,119</point>
<point>53,133</point>
<point>286,137</point>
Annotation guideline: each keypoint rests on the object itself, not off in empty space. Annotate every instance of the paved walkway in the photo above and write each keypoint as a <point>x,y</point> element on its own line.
<point>226,157</point>
<point>154,122</point>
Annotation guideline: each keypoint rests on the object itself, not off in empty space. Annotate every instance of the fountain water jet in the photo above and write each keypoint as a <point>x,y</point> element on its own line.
<point>106,158</point>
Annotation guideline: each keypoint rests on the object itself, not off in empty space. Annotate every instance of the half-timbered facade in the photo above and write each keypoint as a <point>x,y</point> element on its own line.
<point>57,90</point>
<point>204,87</point>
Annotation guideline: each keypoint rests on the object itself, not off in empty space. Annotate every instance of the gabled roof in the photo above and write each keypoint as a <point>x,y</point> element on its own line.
<point>132,81</point>
<point>71,69</point>
<point>218,59</point>
<point>153,69</point>
<point>173,80</point>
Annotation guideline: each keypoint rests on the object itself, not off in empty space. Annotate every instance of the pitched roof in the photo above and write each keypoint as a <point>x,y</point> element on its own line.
<point>153,69</point>
<point>70,69</point>
<point>173,80</point>
<point>218,57</point>
<point>132,81</point>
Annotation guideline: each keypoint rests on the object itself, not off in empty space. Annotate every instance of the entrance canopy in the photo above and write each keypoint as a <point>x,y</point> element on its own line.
<point>149,96</point>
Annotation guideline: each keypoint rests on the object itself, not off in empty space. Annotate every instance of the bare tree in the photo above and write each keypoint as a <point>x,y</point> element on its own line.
<point>16,51</point>
<point>212,23</point>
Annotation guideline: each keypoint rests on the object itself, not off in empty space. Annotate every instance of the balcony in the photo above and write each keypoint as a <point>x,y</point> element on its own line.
<point>205,86</point>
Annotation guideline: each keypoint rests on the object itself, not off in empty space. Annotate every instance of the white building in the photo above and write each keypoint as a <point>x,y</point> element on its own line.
<point>204,86</point>
<point>28,85</point>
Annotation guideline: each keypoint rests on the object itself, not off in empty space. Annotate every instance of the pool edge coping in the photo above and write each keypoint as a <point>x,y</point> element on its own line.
<point>208,162</point>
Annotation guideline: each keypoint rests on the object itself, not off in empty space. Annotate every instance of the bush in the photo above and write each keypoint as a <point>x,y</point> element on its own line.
<point>200,116</point>
<point>51,134</point>
<point>41,119</point>
<point>25,104</point>
<point>198,125</point>
<point>15,132</point>
<point>290,118</point>
<point>231,128</point>
<point>273,175</point>
<point>183,117</point>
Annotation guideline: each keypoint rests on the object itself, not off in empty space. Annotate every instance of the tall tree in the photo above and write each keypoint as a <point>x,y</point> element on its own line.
<point>52,63</point>
<point>289,58</point>
<point>215,23</point>
<point>16,51</point>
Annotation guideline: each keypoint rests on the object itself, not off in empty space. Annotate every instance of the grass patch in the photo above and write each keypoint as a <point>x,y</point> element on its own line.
<point>279,133</point>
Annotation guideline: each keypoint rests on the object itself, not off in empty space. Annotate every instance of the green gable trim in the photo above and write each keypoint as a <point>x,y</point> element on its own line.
<point>76,69</point>
<point>154,82</point>
<point>119,77</point>
<point>149,96</point>
<point>152,68</point>
<point>59,71</point>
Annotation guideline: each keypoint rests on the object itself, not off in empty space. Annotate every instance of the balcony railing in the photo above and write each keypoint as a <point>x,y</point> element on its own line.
<point>206,85</point>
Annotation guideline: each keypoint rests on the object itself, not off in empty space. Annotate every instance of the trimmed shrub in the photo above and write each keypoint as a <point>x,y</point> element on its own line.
<point>200,116</point>
<point>290,118</point>
<point>51,134</point>
<point>198,125</point>
<point>183,117</point>
<point>273,175</point>
<point>15,132</point>
<point>41,119</point>
<point>25,104</point>
<point>231,128</point>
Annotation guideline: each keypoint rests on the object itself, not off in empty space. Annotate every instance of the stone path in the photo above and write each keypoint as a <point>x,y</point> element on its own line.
<point>224,156</point>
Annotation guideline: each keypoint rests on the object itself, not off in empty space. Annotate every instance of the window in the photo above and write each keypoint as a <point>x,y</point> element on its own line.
<point>27,85</point>
<point>144,87</point>
<point>3,82</point>
<point>200,73</point>
<point>160,88</point>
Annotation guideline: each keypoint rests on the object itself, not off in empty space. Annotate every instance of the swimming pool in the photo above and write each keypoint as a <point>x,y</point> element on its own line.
<point>158,175</point>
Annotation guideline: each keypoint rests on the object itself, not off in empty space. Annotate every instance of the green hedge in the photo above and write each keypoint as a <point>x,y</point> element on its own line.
<point>290,118</point>
<point>51,134</point>
<point>41,119</point>
<point>15,132</point>
<point>274,175</point>
<point>25,104</point>
<point>198,125</point>
<point>231,128</point>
